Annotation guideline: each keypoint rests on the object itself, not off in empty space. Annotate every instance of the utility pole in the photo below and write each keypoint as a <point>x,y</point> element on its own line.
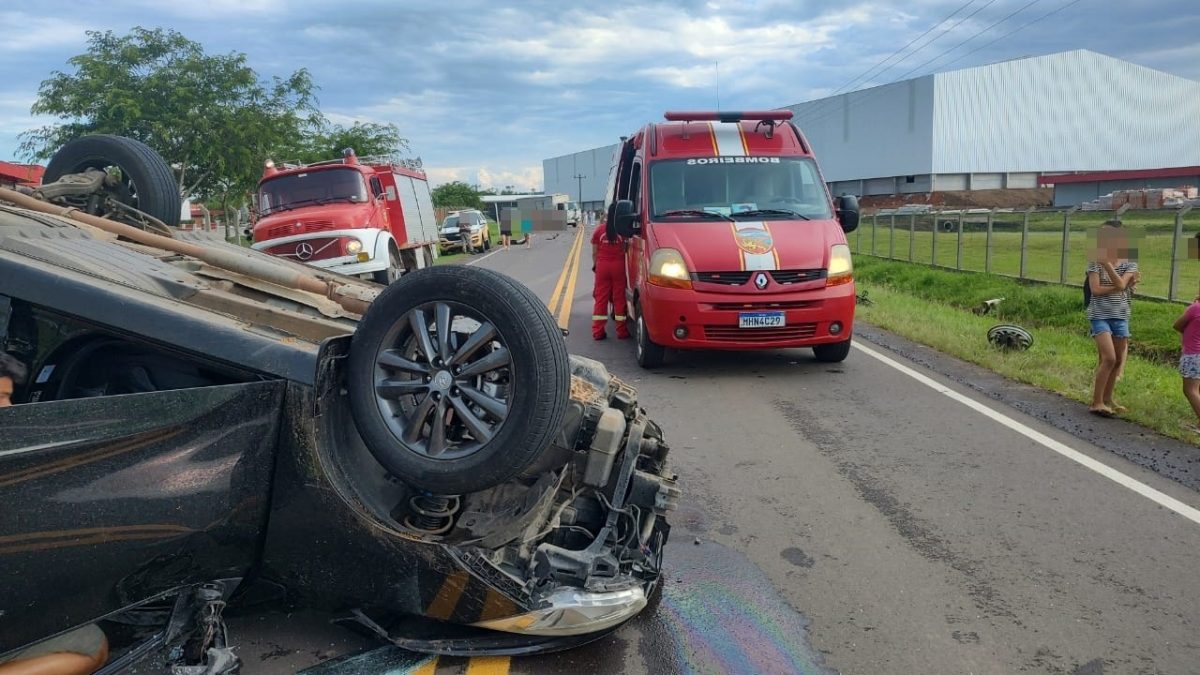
<point>579,177</point>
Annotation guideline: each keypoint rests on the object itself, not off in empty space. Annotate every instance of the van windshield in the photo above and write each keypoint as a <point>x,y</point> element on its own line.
<point>732,185</point>
<point>311,187</point>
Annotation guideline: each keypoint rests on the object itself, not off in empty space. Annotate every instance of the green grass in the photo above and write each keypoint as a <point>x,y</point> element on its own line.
<point>1060,360</point>
<point>1043,258</point>
<point>1030,304</point>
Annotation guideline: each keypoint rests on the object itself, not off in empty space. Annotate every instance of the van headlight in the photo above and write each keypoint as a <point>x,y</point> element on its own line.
<point>668,269</point>
<point>841,266</point>
<point>353,246</point>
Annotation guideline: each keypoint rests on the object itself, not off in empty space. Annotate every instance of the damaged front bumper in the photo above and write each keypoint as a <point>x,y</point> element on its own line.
<point>559,556</point>
<point>570,611</point>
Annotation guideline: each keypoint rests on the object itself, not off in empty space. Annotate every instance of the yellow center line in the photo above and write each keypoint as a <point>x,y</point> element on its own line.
<point>564,314</point>
<point>427,668</point>
<point>576,246</point>
<point>489,665</point>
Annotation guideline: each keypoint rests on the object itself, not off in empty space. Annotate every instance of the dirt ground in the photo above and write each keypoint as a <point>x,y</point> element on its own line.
<point>975,199</point>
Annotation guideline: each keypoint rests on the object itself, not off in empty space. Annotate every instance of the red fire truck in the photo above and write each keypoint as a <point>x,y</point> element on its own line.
<point>372,219</point>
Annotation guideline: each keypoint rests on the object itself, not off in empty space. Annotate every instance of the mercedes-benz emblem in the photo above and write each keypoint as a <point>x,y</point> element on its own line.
<point>304,250</point>
<point>760,281</point>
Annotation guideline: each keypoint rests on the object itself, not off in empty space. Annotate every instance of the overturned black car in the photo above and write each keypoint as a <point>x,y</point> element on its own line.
<point>202,425</point>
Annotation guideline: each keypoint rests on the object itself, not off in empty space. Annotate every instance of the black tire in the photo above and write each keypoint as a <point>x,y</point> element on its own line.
<point>835,352</point>
<point>649,353</point>
<point>149,184</point>
<point>389,276</point>
<point>487,243</point>
<point>535,378</point>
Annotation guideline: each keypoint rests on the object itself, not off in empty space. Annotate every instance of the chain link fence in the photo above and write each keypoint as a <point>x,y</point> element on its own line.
<point>1048,245</point>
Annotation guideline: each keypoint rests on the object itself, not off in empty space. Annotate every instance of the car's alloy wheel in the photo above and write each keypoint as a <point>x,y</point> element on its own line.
<point>458,378</point>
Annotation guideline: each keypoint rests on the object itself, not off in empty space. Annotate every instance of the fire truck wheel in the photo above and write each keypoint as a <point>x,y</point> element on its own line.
<point>394,269</point>
<point>458,379</point>
<point>147,182</point>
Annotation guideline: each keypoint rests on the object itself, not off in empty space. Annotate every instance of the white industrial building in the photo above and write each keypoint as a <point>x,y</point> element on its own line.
<point>585,172</point>
<point>1002,125</point>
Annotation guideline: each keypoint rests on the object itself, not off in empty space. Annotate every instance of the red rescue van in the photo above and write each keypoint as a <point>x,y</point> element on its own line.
<point>735,240</point>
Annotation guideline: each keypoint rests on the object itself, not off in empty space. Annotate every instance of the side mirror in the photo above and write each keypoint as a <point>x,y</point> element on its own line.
<point>847,212</point>
<point>624,219</point>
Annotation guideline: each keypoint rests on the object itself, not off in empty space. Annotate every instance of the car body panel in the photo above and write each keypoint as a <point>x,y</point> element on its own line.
<point>146,492</point>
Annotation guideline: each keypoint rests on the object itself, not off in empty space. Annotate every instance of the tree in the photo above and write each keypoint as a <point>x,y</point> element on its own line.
<point>210,116</point>
<point>456,194</point>
<point>369,139</point>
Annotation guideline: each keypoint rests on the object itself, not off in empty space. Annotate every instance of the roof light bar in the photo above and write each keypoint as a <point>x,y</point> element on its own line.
<point>728,116</point>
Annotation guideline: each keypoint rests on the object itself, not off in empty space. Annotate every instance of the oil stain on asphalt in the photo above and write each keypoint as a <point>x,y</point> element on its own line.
<point>717,613</point>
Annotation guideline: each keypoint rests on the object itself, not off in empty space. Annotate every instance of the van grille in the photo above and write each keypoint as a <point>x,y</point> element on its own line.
<point>783,277</point>
<point>796,276</point>
<point>751,335</point>
<point>726,278</point>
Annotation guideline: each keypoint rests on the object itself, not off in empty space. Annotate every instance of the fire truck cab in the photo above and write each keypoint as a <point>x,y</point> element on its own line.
<point>370,219</point>
<point>734,239</point>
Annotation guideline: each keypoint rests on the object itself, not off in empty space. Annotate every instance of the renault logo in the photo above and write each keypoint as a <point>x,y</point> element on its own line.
<point>760,281</point>
<point>304,250</point>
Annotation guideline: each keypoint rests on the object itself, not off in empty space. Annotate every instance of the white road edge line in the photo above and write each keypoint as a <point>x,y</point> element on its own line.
<point>485,256</point>
<point>1108,472</point>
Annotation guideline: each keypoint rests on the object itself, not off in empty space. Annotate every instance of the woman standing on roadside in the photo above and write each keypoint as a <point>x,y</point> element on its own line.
<point>1111,276</point>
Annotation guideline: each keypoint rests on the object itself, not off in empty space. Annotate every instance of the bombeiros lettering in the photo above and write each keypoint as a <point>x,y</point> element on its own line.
<point>700,161</point>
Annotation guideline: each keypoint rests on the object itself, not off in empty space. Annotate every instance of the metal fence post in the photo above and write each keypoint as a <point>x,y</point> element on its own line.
<point>912,235</point>
<point>1066,245</point>
<point>987,253</point>
<point>1173,287</point>
<point>874,230</point>
<point>933,247</point>
<point>892,239</point>
<point>958,256</point>
<point>1024,242</point>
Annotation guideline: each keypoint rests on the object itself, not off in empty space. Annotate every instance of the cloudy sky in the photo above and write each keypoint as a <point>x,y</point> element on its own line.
<point>486,90</point>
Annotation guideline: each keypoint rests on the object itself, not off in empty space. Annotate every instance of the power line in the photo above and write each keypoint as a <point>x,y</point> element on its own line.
<point>929,30</point>
<point>1021,27</point>
<point>956,24</point>
<point>904,76</point>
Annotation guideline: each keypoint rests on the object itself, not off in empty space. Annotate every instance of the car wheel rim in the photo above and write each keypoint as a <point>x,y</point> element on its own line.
<point>444,381</point>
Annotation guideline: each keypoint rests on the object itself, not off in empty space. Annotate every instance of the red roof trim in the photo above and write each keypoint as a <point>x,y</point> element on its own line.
<point>1132,174</point>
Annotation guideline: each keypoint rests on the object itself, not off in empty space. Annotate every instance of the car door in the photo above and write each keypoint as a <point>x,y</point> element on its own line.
<point>112,498</point>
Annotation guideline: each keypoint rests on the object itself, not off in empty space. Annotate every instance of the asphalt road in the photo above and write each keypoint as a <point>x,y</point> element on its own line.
<point>880,516</point>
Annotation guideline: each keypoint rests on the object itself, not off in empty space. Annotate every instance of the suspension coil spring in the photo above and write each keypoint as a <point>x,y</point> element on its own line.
<point>432,514</point>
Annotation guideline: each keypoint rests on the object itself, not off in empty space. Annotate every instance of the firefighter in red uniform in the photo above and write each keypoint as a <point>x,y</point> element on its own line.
<point>608,262</point>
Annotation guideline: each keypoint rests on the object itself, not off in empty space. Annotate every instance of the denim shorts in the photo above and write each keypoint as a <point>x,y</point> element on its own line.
<point>1118,327</point>
<point>1189,366</point>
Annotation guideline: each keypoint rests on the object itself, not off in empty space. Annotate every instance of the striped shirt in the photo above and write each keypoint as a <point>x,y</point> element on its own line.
<point>1115,305</point>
